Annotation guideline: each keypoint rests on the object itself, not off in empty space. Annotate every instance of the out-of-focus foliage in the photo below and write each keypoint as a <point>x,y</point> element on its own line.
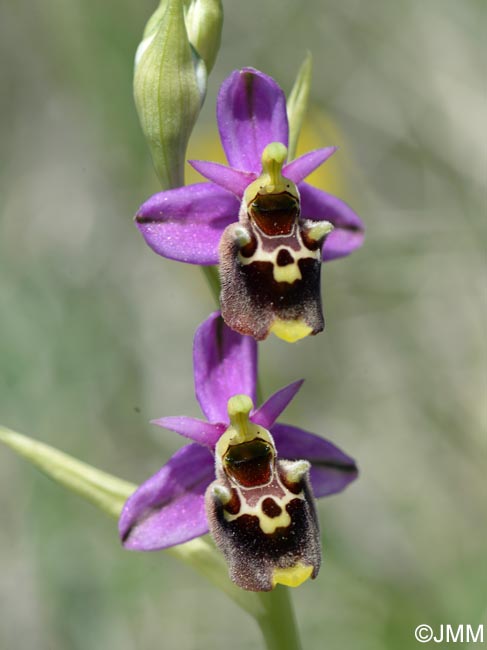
<point>95,330</point>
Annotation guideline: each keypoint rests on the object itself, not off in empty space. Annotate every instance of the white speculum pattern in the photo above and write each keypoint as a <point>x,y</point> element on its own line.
<point>267,524</point>
<point>291,272</point>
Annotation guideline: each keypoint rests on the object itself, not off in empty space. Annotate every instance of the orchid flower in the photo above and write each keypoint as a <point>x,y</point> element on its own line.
<point>257,218</point>
<point>169,508</point>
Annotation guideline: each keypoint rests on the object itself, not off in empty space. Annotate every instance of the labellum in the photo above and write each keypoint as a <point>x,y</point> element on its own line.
<point>261,509</point>
<point>270,261</point>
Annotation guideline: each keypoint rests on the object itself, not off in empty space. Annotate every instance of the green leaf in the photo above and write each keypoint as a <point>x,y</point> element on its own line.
<point>107,492</point>
<point>297,104</point>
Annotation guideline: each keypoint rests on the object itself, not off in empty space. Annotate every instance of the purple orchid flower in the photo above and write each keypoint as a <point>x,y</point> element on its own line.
<point>169,508</point>
<point>269,229</point>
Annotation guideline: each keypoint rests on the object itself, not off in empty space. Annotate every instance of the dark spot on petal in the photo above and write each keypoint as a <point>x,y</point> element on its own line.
<point>294,487</point>
<point>274,214</point>
<point>140,219</point>
<point>249,463</point>
<point>284,258</point>
<point>271,508</point>
<point>233,506</point>
<point>249,249</point>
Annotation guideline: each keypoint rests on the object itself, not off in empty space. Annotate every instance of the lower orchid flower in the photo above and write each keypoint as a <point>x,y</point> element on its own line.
<point>257,477</point>
<point>257,218</point>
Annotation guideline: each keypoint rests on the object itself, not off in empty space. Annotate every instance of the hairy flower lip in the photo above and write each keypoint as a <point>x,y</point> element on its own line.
<point>168,509</point>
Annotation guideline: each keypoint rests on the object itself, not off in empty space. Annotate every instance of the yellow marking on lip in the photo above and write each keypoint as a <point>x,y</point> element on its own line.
<point>290,330</point>
<point>271,256</point>
<point>291,576</point>
<point>289,273</point>
<point>268,525</point>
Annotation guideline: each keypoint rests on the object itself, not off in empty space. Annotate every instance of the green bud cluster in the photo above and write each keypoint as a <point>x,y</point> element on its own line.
<point>179,47</point>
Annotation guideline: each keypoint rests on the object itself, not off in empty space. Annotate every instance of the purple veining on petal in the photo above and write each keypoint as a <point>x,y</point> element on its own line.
<point>299,168</point>
<point>168,509</point>
<point>225,364</point>
<point>349,229</point>
<point>251,113</point>
<point>186,223</point>
<point>272,408</point>
<point>204,433</point>
<point>230,179</point>
<point>331,468</point>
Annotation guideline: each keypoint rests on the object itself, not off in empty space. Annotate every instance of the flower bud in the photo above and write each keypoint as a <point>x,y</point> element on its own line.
<point>170,79</point>
<point>204,19</point>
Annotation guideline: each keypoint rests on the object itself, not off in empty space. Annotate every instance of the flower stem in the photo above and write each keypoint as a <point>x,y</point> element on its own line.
<point>277,621</point>
<point>275,614</point>
<point>213,279</point>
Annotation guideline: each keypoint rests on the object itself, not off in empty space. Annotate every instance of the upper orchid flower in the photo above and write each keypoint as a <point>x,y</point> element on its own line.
<point>260,508</point>
<point>269,229</point>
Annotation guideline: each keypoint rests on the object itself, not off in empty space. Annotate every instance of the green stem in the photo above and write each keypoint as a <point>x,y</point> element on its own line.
<point>213,279</point>
<point>259,392</point>
<point>277,621</point>
<point>109,493</point>
<point>275,614</point>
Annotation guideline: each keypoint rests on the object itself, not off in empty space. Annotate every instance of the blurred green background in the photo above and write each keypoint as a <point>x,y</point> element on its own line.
<point>96,330</point>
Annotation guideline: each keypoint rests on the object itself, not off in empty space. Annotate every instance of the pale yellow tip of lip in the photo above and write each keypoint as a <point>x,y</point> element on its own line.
<point>292,576</point>
<point>290,330</point>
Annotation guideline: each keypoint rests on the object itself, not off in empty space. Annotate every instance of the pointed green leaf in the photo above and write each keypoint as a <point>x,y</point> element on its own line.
<point>107,492</point>
<point>297,104</point>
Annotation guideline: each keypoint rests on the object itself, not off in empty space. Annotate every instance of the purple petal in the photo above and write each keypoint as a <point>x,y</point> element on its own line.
<point>200,431</point>
<point>186,223</point>
<point>251,113</point>
<point>298,169</point>
<point>349,229</point>
<point>169,508</point>
<point>268,413</point>
<point>331,469</point>
<point>230,179</point>
<point>225,364</point>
